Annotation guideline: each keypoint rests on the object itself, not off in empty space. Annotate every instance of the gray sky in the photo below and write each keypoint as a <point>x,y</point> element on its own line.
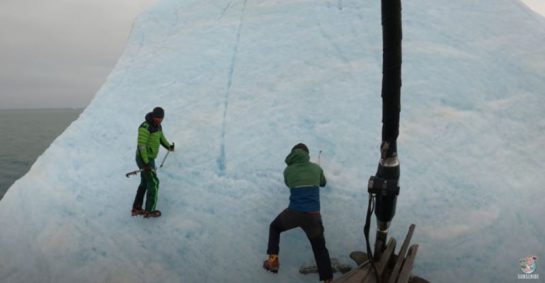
<point>536,5</point>
<point>56,54</point>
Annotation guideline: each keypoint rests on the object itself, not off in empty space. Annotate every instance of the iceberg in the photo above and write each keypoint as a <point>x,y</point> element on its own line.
<point>241,82</point>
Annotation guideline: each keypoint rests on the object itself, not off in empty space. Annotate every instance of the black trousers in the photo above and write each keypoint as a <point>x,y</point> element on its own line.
<point>314,229</point>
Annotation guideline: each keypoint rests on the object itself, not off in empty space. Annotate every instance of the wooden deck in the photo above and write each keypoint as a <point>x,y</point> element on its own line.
<point>390,267</point>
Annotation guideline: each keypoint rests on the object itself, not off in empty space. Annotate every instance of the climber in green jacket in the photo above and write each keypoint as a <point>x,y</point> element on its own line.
<point>150,136</point>
<point>303,178</point>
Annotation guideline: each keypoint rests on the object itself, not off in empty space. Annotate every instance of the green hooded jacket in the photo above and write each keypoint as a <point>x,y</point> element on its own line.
<point>150,136</point>
<point>301,172</point>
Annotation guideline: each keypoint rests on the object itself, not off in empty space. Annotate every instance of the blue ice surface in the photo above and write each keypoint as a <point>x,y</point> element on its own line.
<point>241,83</point>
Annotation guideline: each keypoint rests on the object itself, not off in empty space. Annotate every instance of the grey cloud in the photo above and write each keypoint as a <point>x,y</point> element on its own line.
<point>58,53</point>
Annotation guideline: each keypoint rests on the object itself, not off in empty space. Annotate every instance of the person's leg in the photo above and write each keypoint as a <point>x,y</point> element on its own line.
<point>139,198</point>
<point>152,191</point>
<point>315,232</point>
<point>286,220</point>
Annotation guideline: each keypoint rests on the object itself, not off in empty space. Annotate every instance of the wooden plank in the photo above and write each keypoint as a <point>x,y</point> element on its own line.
<point>408,265</point>
<point>417,279</point>
<point>356,275</point>
<point>401,256</point>
<point>359,257</point>
<point>361,276</point>
<point>385,258</point>
<point>364,273</point>
<point>382,263</point>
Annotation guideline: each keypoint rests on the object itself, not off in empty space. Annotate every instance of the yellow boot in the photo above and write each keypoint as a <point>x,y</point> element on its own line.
<point>271,263</point>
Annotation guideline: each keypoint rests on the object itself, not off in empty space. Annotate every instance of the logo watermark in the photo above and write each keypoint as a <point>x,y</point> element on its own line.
<point>528,266</point>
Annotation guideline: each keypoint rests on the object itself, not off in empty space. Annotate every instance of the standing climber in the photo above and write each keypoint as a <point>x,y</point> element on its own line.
<point>304,179</point>
<point>150,136</point>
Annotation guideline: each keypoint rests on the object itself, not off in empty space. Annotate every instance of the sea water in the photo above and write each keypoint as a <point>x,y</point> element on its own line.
<point>24,136</point>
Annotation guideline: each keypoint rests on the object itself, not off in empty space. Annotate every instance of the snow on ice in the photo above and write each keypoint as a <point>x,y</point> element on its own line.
<point>242,82</point>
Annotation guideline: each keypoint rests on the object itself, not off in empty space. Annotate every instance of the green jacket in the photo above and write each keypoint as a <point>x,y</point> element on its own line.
<point>301,172</point>
<point>150,136</point>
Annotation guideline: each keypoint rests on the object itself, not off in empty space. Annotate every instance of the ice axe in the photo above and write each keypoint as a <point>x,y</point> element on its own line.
<point>140,170</point>
<point>165,158</point>
<point>133,173</point>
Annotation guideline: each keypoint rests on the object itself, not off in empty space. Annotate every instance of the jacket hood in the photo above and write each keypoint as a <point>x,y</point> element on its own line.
<point>149,117</point>
<point>297,156</point>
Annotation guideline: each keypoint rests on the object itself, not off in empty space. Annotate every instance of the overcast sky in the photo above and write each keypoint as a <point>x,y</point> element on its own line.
<point>536,5</point>
<point>57,53</point>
